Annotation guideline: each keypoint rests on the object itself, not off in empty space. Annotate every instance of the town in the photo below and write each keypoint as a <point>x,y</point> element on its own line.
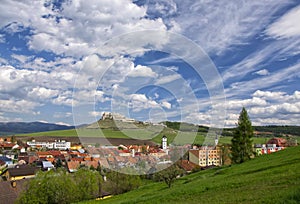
<point>21,160</point>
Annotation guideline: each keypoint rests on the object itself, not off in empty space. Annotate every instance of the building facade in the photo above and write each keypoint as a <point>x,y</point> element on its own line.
<point>206,156</point>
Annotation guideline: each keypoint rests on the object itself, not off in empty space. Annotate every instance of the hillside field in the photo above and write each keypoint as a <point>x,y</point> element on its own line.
<point>271,178</point>
<point>134,133</point>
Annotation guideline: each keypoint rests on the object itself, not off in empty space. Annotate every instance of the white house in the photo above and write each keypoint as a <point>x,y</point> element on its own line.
<point>60,144</point>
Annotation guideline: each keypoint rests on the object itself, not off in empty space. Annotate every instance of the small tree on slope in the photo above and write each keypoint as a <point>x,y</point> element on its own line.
<point>241,143</point>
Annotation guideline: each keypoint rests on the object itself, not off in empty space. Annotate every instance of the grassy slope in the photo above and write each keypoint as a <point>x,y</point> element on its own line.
<point>109,129</point>
<point>134,133</point>
<point>271,178</point>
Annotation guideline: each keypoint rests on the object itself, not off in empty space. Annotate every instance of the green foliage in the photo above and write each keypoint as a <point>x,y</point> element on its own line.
<point>241,143</point>
<point>118,183</point>
<point>279,130</point>
<point>169,174</point>
<point>88,182</point>
<point>61,187</point>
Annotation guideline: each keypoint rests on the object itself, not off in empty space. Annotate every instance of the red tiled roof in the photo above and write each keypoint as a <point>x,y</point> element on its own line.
<point>73,165</point>
<point>187,165</point>
<point>7,145</point>
<point>79,159</point>
<point>281,142</point>
<point>55,153</point>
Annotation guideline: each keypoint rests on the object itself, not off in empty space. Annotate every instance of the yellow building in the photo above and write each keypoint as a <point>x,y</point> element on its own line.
<point>206,156</point>
<point>20,172</point>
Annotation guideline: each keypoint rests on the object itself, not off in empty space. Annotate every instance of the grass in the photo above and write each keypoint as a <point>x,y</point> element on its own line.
<point>271,178</point>
<point>184,138</point>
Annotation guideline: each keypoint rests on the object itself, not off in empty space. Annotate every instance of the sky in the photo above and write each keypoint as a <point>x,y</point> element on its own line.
<point>198,61</point>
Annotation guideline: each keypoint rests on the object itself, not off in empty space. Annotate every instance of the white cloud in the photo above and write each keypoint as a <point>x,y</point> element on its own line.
<point>3,61</point>
<point>42,93</point>
<point>167,79</point>
<point>140,102</point>
<point>286,26</point>
<point>96,113</point>
<point>142,71</point>
<point>270,95</point>
<point>266,108</point>
<point>166,104</point>
<point>246,87</point>
<point>262,72</point>
<point>217,26</point>
<point>20,58</point>
<point>85,26</point>
<point>17,106</point>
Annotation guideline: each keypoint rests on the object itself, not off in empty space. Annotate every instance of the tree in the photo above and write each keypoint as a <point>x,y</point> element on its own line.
<point>169,174</point>
<point>61,187</point>
<point>49,187</point>
<point>118,183</point>
<point>89,182</point>
<point>241,143</point>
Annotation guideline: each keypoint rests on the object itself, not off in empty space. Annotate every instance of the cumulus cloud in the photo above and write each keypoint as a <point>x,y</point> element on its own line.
<point>142,71</point>
<point>266,108</point>
<point>140,102</point>
<point>17,106</point>
<point>42,93</point>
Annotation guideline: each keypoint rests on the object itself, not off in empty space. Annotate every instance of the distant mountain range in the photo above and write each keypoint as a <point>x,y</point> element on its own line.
<point>9,128</point>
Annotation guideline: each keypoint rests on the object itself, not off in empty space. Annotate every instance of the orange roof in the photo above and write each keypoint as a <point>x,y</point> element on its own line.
<point>77,159</point>
<point>91,163</point>
<point>72,165</point>
<point>55,152</point>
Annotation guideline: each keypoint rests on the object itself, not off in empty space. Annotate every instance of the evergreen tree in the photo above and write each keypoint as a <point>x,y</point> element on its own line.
<point>241,143</point>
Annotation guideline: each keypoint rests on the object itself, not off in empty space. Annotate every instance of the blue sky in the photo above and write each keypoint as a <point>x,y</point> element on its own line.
<point>197,61</point>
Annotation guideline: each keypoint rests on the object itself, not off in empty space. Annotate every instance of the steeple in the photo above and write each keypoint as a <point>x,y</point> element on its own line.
<point>164,142</point>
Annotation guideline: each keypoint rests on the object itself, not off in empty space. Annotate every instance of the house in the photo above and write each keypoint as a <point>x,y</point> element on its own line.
<point>20,172</point>
<point>47,166</point>
<point>273,145</point>
<point>187,166</point>
<point>73,166</point>
<point>279,142</point>
<point>57,144</point>
<point>7,145</point>
<point>205,156</point>
<point>23,157</point>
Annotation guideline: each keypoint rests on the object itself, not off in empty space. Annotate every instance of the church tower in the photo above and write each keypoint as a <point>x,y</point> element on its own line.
<point>164,142</point>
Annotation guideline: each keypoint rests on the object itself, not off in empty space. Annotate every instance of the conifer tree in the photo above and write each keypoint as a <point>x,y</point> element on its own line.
<point>241,143</point>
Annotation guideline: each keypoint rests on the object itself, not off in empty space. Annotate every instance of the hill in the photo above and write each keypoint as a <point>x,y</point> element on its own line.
<point>271,178</point>
<point>9,128</point>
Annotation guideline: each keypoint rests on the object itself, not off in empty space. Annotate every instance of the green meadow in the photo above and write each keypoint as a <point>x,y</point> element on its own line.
<point>178,138</point>
<point>273,178</point>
